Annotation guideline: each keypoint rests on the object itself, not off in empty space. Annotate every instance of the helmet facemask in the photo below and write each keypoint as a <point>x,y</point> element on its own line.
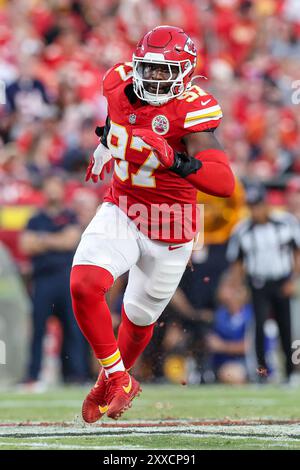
<point>159,91</point>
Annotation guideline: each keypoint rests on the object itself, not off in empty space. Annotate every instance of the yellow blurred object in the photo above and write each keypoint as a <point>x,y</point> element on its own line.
<point>15,217</point>
<point>265,7</point>
<point>222,214</point>
<point>175,368</point>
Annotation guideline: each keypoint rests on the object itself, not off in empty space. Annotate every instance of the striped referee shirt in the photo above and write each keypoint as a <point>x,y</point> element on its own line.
<point>267,250</point>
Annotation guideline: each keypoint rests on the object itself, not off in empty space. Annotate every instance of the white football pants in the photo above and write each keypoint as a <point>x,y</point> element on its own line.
<point>112,241</point>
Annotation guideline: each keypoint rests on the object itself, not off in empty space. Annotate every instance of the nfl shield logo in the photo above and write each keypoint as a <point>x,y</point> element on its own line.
<point>160,124</point>
<point>132,119</point>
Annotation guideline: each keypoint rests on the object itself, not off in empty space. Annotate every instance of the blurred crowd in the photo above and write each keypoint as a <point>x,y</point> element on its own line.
<point>53,55</point>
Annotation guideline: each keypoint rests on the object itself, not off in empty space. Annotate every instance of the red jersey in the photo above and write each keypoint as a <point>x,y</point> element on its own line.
<point>161,203</point>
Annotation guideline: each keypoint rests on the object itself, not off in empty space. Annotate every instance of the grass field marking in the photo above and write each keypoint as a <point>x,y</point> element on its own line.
<point>214,443</point>
<point>291,432</point>
<point>278,441</point>
<point>194,435</point>
<point>79,423</point>
<point>250,435</point>
<point>65,446</point>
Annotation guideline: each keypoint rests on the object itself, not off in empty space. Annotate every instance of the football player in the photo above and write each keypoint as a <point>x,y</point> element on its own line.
<point>159,133</point>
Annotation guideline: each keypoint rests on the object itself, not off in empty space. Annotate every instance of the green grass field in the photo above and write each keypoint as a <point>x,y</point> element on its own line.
<point>163,417</point>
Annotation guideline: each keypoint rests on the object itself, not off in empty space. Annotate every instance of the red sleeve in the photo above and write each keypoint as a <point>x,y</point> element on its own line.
<point>215,177</point>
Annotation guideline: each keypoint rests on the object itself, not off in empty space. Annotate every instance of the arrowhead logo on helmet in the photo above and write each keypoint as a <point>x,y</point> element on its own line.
<point>190,47</point>
<point>163,63</point>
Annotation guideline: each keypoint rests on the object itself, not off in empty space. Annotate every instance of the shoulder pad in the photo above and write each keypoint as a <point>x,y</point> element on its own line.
<point>117,75</point>
<point>199,110</point>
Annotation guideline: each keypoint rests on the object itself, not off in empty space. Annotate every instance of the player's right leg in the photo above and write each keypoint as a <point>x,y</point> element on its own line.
<point>151,285</point>
<point>108,248</point>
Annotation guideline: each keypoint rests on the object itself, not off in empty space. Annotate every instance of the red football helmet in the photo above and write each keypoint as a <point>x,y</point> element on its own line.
<point>163,63</point>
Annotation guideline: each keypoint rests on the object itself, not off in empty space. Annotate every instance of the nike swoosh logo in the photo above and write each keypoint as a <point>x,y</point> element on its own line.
<point>128,388</point>
<point>204,103</point>
<point>103,409</point>
<point>171,248</point>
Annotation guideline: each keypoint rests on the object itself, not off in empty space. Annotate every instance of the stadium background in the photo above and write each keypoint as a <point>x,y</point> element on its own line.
<point>249,52</point>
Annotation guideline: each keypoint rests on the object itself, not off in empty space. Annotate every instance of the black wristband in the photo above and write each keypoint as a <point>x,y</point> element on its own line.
<point>103,132</point>
<point>184,165</point>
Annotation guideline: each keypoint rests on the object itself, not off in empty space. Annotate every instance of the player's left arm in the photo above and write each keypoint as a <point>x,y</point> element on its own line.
<point>214,176</point>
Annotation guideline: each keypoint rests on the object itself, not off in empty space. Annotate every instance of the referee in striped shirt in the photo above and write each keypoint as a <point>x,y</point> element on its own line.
<point>266,248</point>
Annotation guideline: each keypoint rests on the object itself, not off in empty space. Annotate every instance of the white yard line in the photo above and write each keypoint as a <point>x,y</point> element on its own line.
<point>177,434</point>
<point>65,446</point>
<point>291,431</point>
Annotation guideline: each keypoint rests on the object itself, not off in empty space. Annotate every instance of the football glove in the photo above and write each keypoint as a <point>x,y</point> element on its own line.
<point>177,162</point>
<point>100,162</point>
<point>158,144</point>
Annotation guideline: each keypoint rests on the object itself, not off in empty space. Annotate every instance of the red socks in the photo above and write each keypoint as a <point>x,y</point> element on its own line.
<point>132,339</point>
<point>89,285</point>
